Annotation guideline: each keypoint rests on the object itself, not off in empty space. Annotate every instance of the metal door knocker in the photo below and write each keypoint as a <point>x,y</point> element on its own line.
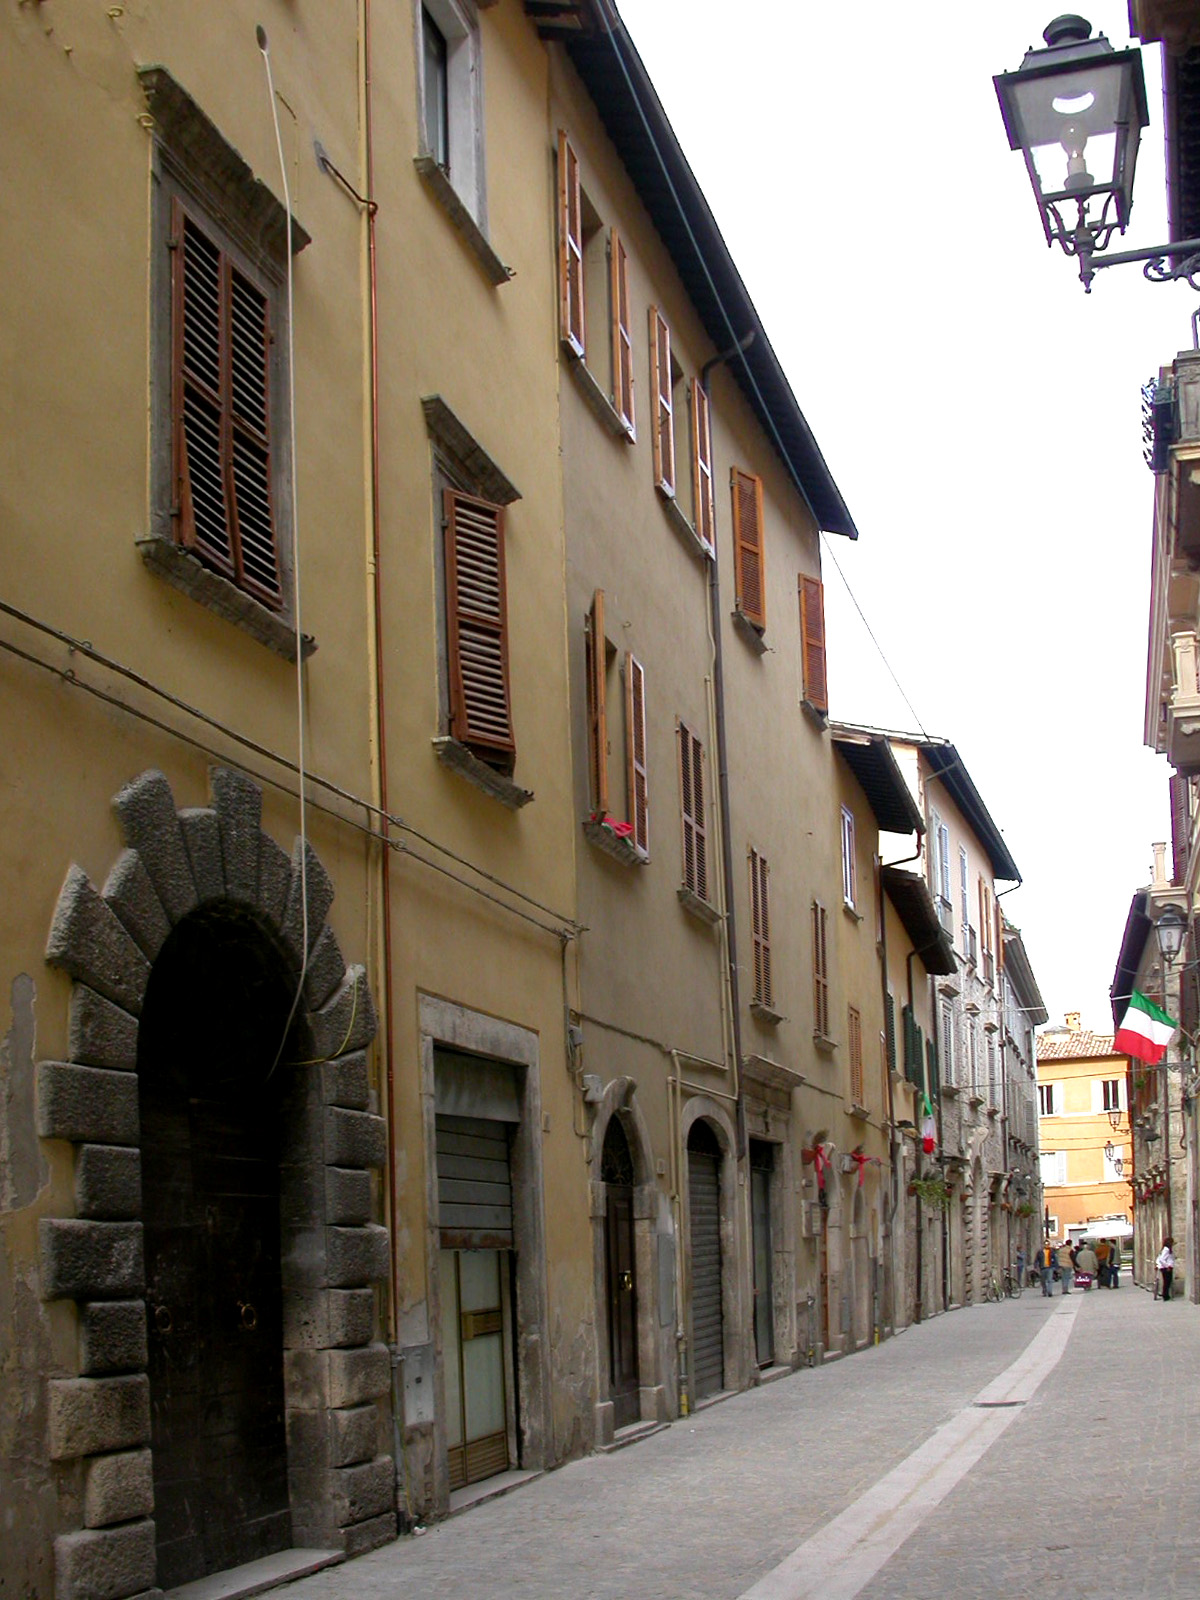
<point>249,1317</point>
<point>627,1280</point>
<point>164,1322</point>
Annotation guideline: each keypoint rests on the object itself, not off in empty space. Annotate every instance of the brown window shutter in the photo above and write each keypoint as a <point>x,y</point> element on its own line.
<point>812,631</point>
<point>748,545</point>
<point>820,971</point>
<point>704,505</point>
<point>570,247</point>
<point>695,833</point>
<point>622,337</point>
<point>221,425</point>
<point>597,703</point>
<point>660,388</point>
<point>854,1029</point>
<point>635,745</point>
<point>1181,822</point>
<point>476,627</point>
<point>760,926</point>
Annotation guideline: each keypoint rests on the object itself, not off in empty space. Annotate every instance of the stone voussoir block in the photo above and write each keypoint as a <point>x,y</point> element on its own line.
<point>355,1376</point>
<point>86,1103</point>
<point>317,894</point>
<point>112,1337</point>
<point>89,942</point>
<point>101,1034</point>
<point>354,1138</point>
<point>357,1256</point>
<point>326,969</point>
<point>91,1416</point>
<point>347,1198</point>
<point>353,1435</point>
<point>274,878</point>
<point>351,1317</point>
<point>146,811</point>
<point>83,1260</point>
<point>117,1488</point>
<point>238,805</point>
<point>134,899</point>
<point>348,1021</point>
<point>360,1492</point>
<point>105,1563</point>
<point>202,840</point>
<point>108,1182</point>
<point>346,1081</point>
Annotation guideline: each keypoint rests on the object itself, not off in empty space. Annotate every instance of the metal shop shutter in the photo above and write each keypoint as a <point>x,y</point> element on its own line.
<point>474,1184</point>
<point>704,1197</point>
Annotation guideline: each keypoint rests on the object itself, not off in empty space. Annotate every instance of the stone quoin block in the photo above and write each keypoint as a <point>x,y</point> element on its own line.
<point>133,898</point>
<point>347,1198</point>
<point>202,841</point>
<point>91,1260</point>
<point>326,968</point>
<point>303,1266</point>
<point>318,897</point>
<point>348,1021</point>
<point>351,1316</point>
<point>354,1138</point>
<point>238,805</point>
<point>357,1493</point>
<point>117,1488</point>
<point>357,1256</point>
<point>306,1379</point>
<point>112,1337</point>
<point>146,811</point>
<point>108,1182</point>
<point>91,1416</point>
<point>345,1081</point>
<point>363,1536</point>
<point>353,1435</point>
<point>303,1201</point>
<point>274,878</point>
<point>105,1563</point>
<point>101,1034</point>
<point>89,942</point>
<point>355,1376</point>
<point>89,1103</point>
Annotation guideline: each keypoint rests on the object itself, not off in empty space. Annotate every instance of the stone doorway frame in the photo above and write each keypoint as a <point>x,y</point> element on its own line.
<point>337,1374</point>
<point>734,1334</point>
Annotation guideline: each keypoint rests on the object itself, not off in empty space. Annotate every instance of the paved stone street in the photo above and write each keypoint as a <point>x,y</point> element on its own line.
<point>1039,1474</point>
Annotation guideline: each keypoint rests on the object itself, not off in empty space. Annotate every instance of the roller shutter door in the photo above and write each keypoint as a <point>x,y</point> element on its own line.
<point>474,1184</point>
<point>704,1194</point>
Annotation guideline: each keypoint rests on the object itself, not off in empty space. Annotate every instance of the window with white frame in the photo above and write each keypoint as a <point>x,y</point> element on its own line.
<point>849,874</point>
<point>949,1054</point>
<point>1047,1099</point>
<point>450,90</point>
<point>939,847</point>
<point>1108,1094</point>
<point>1053,1168</point>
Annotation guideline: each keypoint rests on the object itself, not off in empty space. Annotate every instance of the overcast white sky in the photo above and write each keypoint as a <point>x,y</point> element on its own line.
<point>980,414</point>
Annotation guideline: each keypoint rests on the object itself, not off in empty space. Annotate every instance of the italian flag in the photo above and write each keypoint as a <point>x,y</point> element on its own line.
<point>1145,1031</point>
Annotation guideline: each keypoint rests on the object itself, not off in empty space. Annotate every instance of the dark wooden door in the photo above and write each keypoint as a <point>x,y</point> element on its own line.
<point>704,1206</point>
<point>761,1162</point>
<point>211,1200</point>
<point>620,1276</point>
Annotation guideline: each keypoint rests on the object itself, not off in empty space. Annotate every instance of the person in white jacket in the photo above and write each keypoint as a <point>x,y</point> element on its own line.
<point>1166,1265</point>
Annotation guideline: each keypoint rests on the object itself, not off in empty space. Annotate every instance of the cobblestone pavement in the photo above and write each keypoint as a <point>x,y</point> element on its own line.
<point>1090,1490</point>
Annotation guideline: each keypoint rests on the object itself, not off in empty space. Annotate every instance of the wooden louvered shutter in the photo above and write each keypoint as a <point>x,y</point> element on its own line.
<point>748,545</point>
<point>820,972</point>
<point>476,628</point>
<point>704,505</point>
<point>812,632</point>
<point>661,389</point>
<point>635,739</point>
<point>760,927</point>
<point>220,389</point>
<point>570,247</point>
<point>597,703</point>
<point>622,336</point>
<point>854,1029</point>
<point>1180,827</point>
<point>695,833</point>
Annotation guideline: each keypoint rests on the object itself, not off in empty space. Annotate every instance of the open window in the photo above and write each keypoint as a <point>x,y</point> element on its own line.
<point>616,698</point>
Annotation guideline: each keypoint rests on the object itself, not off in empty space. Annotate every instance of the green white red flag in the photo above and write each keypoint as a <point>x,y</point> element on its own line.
<point>1145,1032</point>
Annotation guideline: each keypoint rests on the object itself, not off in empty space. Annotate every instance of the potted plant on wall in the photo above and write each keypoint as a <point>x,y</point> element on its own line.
<point>932,1189</point>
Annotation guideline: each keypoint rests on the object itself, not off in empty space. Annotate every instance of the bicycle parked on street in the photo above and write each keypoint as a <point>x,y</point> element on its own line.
<point>1006,1285</point>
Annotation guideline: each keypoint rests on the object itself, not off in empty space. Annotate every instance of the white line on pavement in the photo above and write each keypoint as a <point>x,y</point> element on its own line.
<point>840,1559</point>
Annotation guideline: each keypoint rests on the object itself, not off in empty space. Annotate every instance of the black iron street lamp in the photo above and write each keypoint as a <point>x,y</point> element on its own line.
<point>1169,930</point>
<point>1076,110</point>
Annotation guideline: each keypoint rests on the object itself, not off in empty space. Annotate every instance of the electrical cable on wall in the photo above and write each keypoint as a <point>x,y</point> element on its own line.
<point>261,35</point>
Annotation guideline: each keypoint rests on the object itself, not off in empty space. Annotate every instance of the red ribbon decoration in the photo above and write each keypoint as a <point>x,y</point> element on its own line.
<point>861,1160</point>
<point>816,1157</point>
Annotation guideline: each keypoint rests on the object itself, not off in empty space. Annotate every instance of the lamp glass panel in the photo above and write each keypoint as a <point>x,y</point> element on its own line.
<point>1075,109</point>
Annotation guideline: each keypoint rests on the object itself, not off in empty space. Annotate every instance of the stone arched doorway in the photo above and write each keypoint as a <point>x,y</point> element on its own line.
<point>620,1274</point>
<point>186,966</point>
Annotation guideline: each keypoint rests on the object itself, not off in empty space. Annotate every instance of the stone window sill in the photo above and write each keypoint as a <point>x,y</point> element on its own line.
<point>855,916</point>
<point>447,196</point>
<point>461,760</point>
<point>860,1112</point>
<point>685,529</point>
<point>824,1043</point>
<point>951,1089</point>
<point>766,1013</point>
<point>754,636</point>
<point>613,844</point>
<point>595,395</point>
<point>818,718</point>
<point>701,909</point>
<point>185,572</point>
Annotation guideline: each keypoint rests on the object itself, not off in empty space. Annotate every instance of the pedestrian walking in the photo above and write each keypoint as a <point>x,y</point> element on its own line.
<point>1020,1266</point>
<point>1166,1265</point>
<point>1065,1271</point>
<point>1047,1263</point>
<point>1085,1266</point>
<point>1114,1267</point>
<point>1102,1254</point>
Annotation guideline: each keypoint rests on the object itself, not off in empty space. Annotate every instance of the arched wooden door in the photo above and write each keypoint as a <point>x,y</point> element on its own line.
<point>211,1031</point>
<point>704,1208</point>
<point>616,1171</point>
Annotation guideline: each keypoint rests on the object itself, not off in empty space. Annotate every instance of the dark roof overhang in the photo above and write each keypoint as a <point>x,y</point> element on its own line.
<point>1133,944</point>
<point>598,46</point>
<point>1020,975</point>
<point>947,764</point>
<point>909,893</point>
<point>869,757</point>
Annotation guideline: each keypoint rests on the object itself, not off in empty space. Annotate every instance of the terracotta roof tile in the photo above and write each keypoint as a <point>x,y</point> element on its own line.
<point>1078,1045</point>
